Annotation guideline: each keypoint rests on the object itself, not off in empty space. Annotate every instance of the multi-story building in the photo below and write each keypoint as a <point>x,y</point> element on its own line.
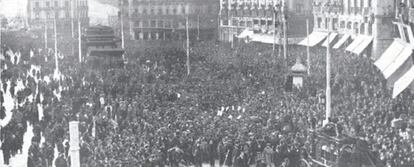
<point>41,12</point>
<point>264,18</point>
<point>167,19</point>
<point>366,25</point>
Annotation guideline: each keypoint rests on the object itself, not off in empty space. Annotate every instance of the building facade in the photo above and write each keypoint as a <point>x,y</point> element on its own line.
<point>41,12</point>
<point>167,19</point>
<point>367,22</point>
<point>263,17</point>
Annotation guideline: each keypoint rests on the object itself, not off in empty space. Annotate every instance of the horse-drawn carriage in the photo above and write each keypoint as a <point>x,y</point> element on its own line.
<point>329,148</point>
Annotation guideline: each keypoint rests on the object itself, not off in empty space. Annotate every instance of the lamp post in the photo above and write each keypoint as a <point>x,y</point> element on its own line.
<point>284,20</point>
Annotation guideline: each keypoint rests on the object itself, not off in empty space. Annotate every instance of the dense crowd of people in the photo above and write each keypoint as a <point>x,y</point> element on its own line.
<point>233,108</point>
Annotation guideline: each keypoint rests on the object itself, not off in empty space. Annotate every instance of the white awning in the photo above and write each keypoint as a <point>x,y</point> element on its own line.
<point>341,41</point>
<point>331,38</point>
<point>401,84</point>
<point>389,55</point>
<point>398,61</point>
<point>364,44</point>
<point>313,39</point>
<point>245,33</point>
<point>355,43</point>
<point>264,38</point>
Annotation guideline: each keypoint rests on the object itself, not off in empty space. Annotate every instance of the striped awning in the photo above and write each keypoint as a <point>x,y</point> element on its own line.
<point>313,39</point>
<point>332,37</point>
<point>358,40</point>
<point>341,41</point>
<point>363,45</point>
<point>397,66</point>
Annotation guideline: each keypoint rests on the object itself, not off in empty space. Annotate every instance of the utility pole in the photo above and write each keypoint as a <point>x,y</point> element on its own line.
<point>80,40</point>
<point>328,113</point>
<point>198,27</point>
<point>71,19</point>
<point>274,32</point>
<point>188,47</point>
<point>46,33</point>
<point>284,32</point>
<point>56,49</point>
<point>307,47</point>
<point>122,25</point>
<point>1,47</point>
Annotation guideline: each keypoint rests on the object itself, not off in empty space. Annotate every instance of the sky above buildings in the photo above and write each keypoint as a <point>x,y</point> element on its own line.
<point>98,12</point>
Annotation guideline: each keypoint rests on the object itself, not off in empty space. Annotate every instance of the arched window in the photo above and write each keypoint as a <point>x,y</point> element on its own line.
<point>356,28</point>
<point>369,29</point>
<point>362,29</point>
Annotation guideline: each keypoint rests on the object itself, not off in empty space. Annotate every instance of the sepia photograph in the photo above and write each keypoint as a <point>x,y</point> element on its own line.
<point>206,83</point>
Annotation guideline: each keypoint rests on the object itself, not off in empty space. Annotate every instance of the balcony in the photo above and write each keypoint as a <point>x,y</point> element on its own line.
<point>411,15</point>
<point>405,15</point>
<point>333,9</point>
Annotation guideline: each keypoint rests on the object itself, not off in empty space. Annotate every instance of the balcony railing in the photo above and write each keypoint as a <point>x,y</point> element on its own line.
<point>328,9</point>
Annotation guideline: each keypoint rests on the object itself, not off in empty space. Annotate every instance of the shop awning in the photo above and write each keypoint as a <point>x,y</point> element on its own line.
<point>331,39</point>
<point>363,45</point>
<point>389,55</point>
<point>313,39</point>
<point>398,61</point>
<point>116,52</point>
<point>341,41</point>
<point>405,81</point>
<point>245,33</point>
<point>359,39</point>
<point>264,38</point>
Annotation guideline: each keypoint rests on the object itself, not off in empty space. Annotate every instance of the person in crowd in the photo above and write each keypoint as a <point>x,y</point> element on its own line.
<point>232,110</point>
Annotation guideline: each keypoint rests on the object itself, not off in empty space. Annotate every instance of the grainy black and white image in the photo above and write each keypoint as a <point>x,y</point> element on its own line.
<point>206,83</point>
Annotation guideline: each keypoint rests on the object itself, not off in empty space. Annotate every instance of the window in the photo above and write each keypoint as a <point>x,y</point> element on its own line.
<point>167,11</point>
<point>153,23</point>
<point>299,8</point>
<point>137,23</point>
<point>160,24</point>
<point>319,22</point>
<point>48,15</point>
<point>255,22</point>
<point>56,4</point>
<point>269,22</point>
<point>37,4</point>
<point>67,15</point>
<point>225,22</point>
<point>144,11</point>
<point>37,15</point>
<point>249,24</point>
<point>234,23</point>
<point>159,11</point>
<point>47,4</point>
<point>183,10</point>
<point>342,25</point>
<point>66,4</point>
<point>263,22</point>
<point>174,11</point>
<point>167,24</point>
<point>242,23</point>
<point>362,29</point>
<point>407,38</point>
<point>152,11</point>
